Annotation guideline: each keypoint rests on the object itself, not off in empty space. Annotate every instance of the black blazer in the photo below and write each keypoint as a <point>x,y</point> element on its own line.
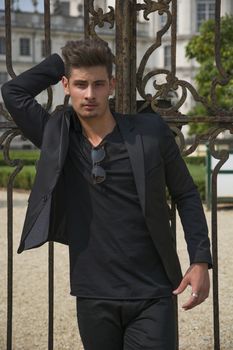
<point>155,160</point>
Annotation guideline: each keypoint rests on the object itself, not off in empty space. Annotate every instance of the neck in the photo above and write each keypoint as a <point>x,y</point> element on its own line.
<point>95,129</point>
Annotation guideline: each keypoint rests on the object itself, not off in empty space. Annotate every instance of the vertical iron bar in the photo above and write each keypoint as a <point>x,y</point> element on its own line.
<point>47,36</point>
<point>86,19</point>
<point>173,227</point>
<point>51,295</point>
<point>173,37</point>
<point>173,205</point>
<point>47,24</point>
<point>9,193</point>
<point>9,265</point>
<point>125,19</point>
<point>214,218</point>
<point>208,180</point>
<point>8,38</point>
<point>214,229</point>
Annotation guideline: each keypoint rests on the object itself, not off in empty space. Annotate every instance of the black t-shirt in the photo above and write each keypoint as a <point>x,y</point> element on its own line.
<point>111,252</point>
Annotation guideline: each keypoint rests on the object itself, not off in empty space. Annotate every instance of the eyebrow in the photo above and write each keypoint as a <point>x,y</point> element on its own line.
<point>84,81</point>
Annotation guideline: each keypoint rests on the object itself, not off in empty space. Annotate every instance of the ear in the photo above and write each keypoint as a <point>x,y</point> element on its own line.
<point>112,85</point>
<point>65,83</point>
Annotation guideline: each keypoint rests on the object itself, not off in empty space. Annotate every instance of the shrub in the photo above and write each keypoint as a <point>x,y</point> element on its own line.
<point>195,160</point>
<point>28,156</point>
<point>23,180</point>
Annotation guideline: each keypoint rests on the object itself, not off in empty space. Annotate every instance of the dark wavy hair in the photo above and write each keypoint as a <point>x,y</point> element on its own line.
<point>87,53</point>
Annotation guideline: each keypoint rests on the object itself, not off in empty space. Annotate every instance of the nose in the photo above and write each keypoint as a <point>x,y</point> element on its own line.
<point>89,94</point>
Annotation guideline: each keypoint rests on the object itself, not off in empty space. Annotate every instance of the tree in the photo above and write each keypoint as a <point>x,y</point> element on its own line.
<point>201,47</point>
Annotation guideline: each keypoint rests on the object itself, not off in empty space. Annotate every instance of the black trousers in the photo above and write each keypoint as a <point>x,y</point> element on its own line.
<point>127,324</point>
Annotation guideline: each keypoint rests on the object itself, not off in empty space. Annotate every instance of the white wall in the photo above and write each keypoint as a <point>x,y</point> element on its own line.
<point>226,7</point>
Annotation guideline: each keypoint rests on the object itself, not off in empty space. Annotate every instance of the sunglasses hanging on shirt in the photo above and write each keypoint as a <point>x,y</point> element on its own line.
<point>98,173</point>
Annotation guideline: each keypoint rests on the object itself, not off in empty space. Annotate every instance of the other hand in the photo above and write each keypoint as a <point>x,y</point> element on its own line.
<point>197,276</point>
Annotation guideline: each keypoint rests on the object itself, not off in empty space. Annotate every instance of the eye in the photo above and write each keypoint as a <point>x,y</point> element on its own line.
<point>80,85</point>
<point>99,83</point>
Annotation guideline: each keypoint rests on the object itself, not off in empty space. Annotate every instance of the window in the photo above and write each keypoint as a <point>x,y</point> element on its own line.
<point>24,46</point>
<point>3,77</point>
<point>167,56</point>
<point>61,8</point>
<point>205,11</point>
<point>2,45</point>
<point>80,10</point>
<point>65,8</point>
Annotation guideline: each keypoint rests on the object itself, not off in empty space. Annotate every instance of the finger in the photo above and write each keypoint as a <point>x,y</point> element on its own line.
<point>194,300</point>
<point>183,285</point>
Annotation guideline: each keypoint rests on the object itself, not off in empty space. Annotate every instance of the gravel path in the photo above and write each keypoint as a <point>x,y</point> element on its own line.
<point>30,292</point>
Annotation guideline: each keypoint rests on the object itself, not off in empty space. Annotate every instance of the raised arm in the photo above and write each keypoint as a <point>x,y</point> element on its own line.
<point>19,96</point>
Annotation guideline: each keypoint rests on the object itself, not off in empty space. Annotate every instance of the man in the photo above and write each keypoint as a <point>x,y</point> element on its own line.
<point>101,188</point>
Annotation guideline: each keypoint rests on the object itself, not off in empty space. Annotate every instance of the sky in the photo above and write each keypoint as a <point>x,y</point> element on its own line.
<point>24,5</point>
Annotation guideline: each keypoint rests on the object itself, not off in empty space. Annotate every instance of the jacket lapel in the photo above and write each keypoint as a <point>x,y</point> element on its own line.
<point>53,154</point>
<point>64,142</point>
<point>133,142</point>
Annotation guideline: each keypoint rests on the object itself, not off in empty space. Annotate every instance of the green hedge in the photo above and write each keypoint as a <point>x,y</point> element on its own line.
<point>195,160</point>
<point>198,172</point>
<point>28,156</point>
<point>201,188</point>
<point>25,178</point>
<point>197,168</point>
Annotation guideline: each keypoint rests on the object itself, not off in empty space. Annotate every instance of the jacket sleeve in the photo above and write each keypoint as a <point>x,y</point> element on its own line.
<point>19,96</point>
<point>185,194</point>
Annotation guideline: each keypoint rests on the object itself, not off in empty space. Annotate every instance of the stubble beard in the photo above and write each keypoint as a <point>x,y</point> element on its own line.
<point>91,115</point>
<point>88,115</point>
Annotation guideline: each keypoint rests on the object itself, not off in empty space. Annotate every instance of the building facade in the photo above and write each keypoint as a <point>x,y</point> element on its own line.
<point>28,44</point>
<point>67,23</point>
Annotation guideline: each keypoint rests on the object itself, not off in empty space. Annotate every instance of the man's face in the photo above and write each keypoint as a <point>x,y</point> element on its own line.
<point>89,89</point>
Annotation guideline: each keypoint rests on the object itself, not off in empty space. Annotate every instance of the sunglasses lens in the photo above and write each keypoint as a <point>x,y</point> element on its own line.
<point>98,174</point>
<point>97,154</point>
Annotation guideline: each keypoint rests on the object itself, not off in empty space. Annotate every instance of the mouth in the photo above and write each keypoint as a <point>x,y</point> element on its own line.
<point>90,105</point>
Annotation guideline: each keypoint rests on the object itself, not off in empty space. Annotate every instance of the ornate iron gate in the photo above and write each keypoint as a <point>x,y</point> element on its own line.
<point>130,82</point>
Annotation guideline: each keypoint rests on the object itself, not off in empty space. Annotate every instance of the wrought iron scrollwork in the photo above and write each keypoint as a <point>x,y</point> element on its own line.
<point>163,8</point>
<point>5,141</point>
<point>99,18</point>
<point>222,154</point>
<point>171,82</point>
<point>152,6</point>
